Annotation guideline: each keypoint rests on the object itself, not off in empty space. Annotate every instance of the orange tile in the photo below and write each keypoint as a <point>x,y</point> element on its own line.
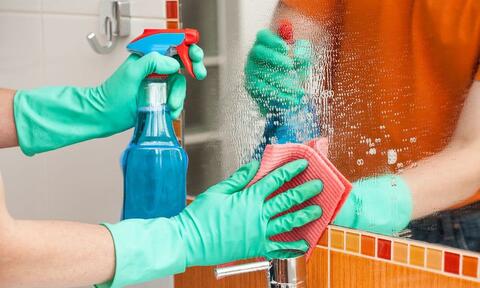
<point>434,259</point>
<point>177,127</point>
<point>368,245</point>
<point>417,255</point>
<point>172,24</point>
<point>400,252</point>
<point>470,266</point>
<point>353,242</point>
<point>324,239</point>
<point>337,239</point>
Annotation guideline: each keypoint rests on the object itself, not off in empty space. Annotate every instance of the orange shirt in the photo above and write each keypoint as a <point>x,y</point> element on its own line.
<point>400,73</point>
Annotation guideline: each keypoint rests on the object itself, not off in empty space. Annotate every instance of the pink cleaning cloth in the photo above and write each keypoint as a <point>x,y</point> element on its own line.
<point>335,186</point>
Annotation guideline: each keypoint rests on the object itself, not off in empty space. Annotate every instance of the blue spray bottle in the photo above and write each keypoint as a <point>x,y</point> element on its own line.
<point>154,163</point>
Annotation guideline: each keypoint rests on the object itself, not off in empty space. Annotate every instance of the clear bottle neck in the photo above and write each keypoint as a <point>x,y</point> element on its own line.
<point>154,124</point>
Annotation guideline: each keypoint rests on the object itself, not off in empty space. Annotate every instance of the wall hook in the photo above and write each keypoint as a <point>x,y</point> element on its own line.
<point>114,22</point>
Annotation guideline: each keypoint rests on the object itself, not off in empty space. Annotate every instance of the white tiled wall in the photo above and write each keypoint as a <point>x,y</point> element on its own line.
<point>43,42</point>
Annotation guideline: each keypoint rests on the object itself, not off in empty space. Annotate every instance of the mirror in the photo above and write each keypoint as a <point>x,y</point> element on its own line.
<point>391,89</point>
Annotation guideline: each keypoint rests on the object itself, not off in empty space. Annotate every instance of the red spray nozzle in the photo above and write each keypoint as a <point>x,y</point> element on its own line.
<point>162,40</point>
<point>285,30</point>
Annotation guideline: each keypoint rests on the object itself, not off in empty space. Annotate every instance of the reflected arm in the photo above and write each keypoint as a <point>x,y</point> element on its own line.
<point>276,73</point>
<point>452,175</point>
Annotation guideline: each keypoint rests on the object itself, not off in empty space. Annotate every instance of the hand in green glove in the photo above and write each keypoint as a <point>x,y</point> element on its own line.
<point>378,204</point>
<point>52,117</point>
<point>227,222</point>
<point>273,77</point>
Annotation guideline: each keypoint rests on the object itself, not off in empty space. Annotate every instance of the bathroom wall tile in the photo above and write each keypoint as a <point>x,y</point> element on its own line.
<point>138,8</point>
<point>452,262</point>
<point>400,252</point>
<point>172,24</point>
<point>324,239</point>
<point>368,245</point>
<point>417,255</point>
<point>384,248</point>
<point>469,266</point>
<point>69,59</point>
<point>434,259</point>
<point>21,5</point>
<point>148,8</point>
<point>20,50</point>
<point>89,7</point>
<point>172,9</point>
<point>24,197</point>
<point>337,239</point>
<point>353,242</point>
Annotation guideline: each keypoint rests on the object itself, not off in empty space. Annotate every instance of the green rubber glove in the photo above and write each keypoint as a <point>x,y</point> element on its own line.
<point>274,75</point>
<point>53,117</point>
<point>378,204</point>
<point>227,222</point>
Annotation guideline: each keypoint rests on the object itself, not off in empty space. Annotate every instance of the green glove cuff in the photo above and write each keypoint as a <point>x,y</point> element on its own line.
<point>378,204</point>
<point>145,250</point>
<point>52,117</point>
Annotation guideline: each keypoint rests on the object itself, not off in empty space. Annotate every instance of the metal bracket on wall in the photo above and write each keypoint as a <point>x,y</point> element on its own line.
<point>114,22</point>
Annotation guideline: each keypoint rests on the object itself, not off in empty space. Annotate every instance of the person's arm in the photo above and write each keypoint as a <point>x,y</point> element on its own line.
<point>8,132</point>
<point>228,222</point>
<point>452,175</point>
<point>53,253</point>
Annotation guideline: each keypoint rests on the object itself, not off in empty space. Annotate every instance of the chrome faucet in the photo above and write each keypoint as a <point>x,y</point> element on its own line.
<point>281,272</point>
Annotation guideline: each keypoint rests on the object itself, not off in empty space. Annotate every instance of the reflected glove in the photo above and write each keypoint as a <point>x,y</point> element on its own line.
<point>378,204</point>
<point>52,117</point>
<point>227,222</point>
<point>273,78</point>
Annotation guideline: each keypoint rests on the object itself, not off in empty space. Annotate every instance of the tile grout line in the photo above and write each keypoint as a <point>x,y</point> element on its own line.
<point>80,14</point>
<point>478,269</point>
<point>408,253</point>
<point>392,251</point>
<point>460,264</point>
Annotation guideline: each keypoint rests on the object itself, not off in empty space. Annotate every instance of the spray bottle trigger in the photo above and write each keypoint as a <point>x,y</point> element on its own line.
<point>182,52</point>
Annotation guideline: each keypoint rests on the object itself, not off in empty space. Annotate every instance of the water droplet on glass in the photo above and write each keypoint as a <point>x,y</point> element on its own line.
<point>391,156</point>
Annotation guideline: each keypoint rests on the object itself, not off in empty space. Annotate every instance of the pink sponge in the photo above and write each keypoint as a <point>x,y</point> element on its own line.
<point>335,186</point>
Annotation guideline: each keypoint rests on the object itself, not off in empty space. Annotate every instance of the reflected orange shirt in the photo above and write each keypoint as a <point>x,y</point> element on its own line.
<point>400,74</point>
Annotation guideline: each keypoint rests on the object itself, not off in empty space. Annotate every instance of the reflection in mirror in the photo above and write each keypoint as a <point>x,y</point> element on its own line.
<point>390,88</point>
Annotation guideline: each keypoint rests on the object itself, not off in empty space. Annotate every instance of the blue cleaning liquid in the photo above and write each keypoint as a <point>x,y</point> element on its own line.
<point>154,163</point>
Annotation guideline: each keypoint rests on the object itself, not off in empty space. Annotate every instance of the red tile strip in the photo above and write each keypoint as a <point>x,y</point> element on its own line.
<point>172,9</point>
<point>384,249</point>
<point>452,262</point>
